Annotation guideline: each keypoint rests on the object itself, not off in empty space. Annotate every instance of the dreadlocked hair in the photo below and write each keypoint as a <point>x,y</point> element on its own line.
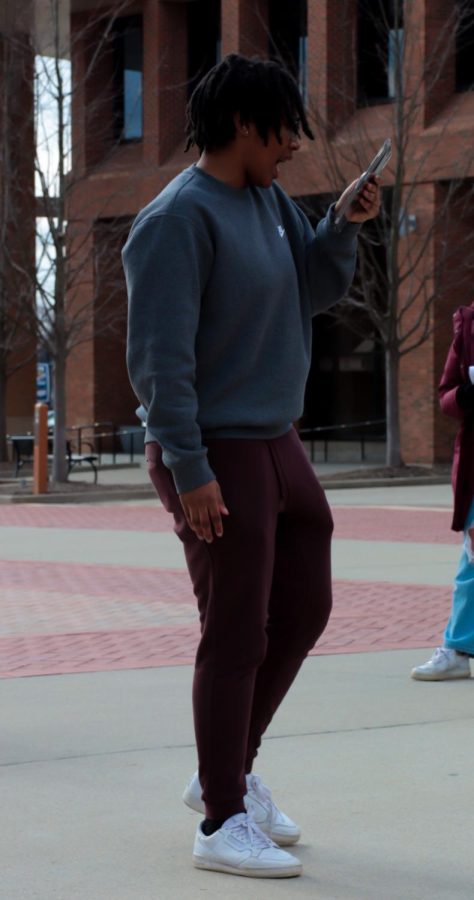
<point>259,91</point>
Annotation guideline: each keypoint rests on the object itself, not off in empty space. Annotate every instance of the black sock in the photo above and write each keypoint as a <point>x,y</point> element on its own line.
<point>209,826</point>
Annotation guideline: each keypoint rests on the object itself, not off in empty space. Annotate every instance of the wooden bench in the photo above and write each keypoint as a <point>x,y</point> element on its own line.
<point>23,449</point>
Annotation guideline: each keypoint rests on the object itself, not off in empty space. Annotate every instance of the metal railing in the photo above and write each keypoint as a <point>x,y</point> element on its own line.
<point>77,432</point>
<point>122,440</point>
<point>111,440</point>
<point>355,431</point>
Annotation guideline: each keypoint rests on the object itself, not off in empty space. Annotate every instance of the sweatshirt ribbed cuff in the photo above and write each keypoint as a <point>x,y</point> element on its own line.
<point>344,227</point>
<point>192,475</point>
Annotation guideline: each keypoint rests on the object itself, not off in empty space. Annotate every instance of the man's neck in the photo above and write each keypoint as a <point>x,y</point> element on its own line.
<point>223,165</point>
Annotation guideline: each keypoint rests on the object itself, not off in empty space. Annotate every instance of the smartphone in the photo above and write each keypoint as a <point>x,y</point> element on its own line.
<point>378,163</point>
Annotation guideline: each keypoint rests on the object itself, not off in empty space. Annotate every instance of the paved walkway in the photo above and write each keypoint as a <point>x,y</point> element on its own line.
<point>93,588</point>
<point>377,768</point>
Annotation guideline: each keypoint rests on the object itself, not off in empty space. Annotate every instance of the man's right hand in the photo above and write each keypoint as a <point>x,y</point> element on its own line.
<point>204,508</point>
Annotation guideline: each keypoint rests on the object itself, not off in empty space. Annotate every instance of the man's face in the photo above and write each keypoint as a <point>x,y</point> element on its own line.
<point>262,161</point>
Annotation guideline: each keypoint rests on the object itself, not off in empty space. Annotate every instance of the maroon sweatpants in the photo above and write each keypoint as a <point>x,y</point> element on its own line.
<point>264,598</point>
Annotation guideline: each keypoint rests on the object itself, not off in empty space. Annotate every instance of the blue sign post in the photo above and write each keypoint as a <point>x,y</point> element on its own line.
<point>43,382</point>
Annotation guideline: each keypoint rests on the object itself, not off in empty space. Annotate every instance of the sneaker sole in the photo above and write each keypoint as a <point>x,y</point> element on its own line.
<point>283,840</point>
<point>213,866</point>
<point>440,677</point>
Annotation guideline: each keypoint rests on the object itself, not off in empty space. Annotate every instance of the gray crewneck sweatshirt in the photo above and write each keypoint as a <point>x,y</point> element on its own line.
<point>222,285</point>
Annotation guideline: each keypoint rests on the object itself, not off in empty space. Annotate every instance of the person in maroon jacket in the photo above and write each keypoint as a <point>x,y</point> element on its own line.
<point>456,392</point>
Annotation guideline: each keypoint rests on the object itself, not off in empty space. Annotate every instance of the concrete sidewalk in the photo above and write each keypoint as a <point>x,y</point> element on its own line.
<point>124,483</point>
<point>376,768</point>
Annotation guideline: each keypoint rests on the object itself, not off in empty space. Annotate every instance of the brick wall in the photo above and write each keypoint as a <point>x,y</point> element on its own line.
<point>165,77</point>
<point>92,101</point>
<point>80,372</point>
<point>453,264</point>
<point>17,216</point>
<point>113,396</point>
<point>442,249</point>
<point>128,180</point>
<point>417,380</point>
<point>437,53</point>
<point>332,57</point>
<point>244,27</point>
<point>98,388</point>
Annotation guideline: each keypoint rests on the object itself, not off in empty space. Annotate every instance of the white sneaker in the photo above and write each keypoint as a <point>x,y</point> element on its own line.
<point>258,801</point>
<point>444,664</point>
<point>240,847</point>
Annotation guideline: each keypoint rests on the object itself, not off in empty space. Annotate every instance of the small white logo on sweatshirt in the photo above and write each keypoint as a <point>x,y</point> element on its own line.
<point>281,231</point>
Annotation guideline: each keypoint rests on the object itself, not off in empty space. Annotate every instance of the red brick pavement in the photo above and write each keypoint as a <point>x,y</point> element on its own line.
<point>59,618</point>
<point>113,517</point>
<point>357,523</point>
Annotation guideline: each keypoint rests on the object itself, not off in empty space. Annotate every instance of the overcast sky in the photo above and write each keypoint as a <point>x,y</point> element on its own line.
<point>47,118</point>
<point>47,146</point>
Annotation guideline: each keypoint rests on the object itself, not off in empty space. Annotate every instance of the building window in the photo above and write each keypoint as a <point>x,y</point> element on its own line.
<point>288,41</point>
<point>465,46</point>
<point>303,67</point>
<point>128,48</point>
<point>379,50</point>
<point>204,39</point>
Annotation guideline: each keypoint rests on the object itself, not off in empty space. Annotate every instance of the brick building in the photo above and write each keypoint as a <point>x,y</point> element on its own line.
<point>128,113</point>
<point>17,351</point>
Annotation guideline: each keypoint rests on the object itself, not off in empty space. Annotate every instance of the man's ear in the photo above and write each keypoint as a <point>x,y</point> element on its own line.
<point>240,126</point>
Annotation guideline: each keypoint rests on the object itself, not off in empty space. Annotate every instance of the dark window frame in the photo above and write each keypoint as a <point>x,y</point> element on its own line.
<point>376,21</point>
<point>203,21</point>
<point>287,38</point>
<point>464,61</point>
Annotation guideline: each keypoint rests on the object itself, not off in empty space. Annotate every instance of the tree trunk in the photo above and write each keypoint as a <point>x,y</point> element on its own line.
<point>392,406</point>
<point>60,467</point>
<point>3,415</point>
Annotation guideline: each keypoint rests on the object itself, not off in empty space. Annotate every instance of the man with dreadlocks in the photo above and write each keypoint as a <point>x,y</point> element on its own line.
<point>224,273</point>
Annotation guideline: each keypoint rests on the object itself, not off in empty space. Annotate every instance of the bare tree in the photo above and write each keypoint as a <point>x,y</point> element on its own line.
<point>399,279</point>
<point>72,269</point>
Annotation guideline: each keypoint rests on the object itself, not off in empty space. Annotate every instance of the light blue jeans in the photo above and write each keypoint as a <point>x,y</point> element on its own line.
<point>459,634</point>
